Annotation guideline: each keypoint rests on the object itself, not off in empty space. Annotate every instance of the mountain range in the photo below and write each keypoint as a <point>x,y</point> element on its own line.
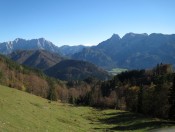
<point>132,51</point>
<point>38,44</point>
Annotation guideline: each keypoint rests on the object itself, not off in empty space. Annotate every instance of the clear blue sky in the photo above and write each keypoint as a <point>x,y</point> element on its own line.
<point>76,22</point>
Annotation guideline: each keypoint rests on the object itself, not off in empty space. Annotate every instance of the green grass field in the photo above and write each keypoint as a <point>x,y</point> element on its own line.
<point>23,112</point>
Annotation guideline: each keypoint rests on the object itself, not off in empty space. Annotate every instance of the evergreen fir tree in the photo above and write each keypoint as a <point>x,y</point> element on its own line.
<point>172,101</point>
<point>52,95</point>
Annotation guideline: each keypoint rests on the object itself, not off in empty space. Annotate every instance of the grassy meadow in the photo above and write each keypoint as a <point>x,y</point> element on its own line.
<point>20,111</point>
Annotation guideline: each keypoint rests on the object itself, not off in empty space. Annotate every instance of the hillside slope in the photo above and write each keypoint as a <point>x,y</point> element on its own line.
<point>21,112</point>
<point>95,56</point>
<point>76,70</point>
<point>40,59</point>
<point>26,79</point>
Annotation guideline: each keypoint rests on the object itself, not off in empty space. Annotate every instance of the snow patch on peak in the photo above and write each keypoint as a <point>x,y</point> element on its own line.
<point>17,40</point>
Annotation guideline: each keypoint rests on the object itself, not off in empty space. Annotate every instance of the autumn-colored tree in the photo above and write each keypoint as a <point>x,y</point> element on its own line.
<point>140,99</point>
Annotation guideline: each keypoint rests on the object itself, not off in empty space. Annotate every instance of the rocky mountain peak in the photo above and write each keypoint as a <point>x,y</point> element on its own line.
<point>132,35</point>
<point>22,44</point>
<point>115,37</point>
<point>17,40</point>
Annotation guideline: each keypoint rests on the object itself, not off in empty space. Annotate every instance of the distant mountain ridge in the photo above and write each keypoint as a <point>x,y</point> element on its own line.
<point>67,50</point>
<point>40,59</point>
<point>132,51</point>
<point>76,70</point>
<point>58,67</point>
<point>22,44</point>
<point>38,44</point>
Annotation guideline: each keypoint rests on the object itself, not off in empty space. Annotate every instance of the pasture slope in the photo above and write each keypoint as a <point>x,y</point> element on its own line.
<point>20,111</point>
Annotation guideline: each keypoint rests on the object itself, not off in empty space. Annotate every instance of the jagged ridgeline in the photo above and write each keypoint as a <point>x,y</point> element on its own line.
<point>132,51</point>
<point>22,44</point>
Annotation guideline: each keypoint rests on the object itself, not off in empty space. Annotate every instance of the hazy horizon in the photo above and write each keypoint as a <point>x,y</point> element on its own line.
<point>83,22</point>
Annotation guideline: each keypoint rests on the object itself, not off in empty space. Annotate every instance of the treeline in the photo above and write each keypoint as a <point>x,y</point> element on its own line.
<point>150,92</point>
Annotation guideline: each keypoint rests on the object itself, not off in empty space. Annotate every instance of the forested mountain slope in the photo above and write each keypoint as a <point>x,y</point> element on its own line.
<point>40,59</point>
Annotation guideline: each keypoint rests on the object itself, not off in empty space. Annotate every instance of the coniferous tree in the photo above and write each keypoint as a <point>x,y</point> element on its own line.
<point>172,101</point>
<point>52,91</point>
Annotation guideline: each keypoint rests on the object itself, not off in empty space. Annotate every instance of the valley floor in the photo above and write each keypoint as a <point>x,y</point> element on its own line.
<point>20,111</point>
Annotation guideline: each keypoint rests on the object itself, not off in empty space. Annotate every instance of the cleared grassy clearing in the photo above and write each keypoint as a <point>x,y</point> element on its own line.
<point>116,71</point>
<point>20,111</point>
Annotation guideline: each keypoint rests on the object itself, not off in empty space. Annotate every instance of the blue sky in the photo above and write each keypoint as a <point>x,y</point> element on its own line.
<point>88,22</point>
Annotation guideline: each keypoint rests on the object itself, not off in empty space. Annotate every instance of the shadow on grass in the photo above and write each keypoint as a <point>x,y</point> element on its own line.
<point>126,121</point>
